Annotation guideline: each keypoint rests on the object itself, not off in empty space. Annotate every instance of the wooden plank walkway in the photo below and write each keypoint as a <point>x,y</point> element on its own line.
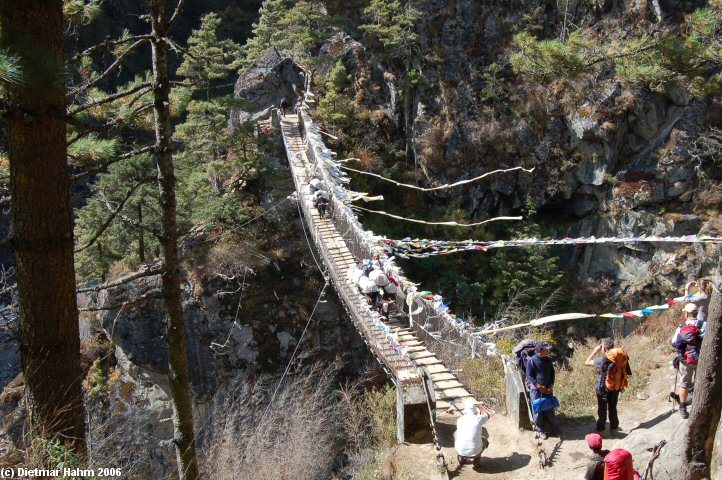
<point>451,395</point>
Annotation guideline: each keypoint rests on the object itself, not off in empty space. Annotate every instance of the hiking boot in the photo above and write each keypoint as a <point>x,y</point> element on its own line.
<point>542,435</point>
<point>614,432</point>
<point>683,412</point>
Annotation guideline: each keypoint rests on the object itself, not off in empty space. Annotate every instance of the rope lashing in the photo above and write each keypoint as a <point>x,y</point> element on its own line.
<point>433,189</point>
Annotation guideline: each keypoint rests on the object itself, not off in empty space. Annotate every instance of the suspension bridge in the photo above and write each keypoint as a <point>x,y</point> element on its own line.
<point>425,386</point>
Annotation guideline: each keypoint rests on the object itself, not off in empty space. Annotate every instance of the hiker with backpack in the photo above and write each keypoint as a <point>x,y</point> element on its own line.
<point>595,467</point>
<point>540,377</point>
<point>687,341</point>
<point>614,372</point>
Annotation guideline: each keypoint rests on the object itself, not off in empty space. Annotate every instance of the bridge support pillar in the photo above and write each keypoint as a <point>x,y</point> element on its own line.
<point>516,402</point>
<point>413,421</point>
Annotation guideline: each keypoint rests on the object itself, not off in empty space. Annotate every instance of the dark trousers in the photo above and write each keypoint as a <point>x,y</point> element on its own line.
<point>549,416</point>
<point>607,401</point>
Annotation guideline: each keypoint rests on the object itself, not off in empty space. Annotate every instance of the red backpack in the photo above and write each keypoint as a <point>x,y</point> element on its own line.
<point>618,465</point>
<point>690,335</point>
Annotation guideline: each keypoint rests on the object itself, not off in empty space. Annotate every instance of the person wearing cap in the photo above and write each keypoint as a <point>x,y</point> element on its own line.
<point>606,399</point>
<point>687,341</point>
<point>540,377</point>
<point>595,468</point>
<point>469,441</point>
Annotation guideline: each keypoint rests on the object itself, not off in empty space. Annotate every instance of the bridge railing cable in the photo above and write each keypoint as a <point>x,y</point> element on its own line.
<point>429,325</point>
<point>381,346</point>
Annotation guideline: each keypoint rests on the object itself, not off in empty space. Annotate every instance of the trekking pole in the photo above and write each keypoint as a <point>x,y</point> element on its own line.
<point>673,399</point>
<point>655,454</point>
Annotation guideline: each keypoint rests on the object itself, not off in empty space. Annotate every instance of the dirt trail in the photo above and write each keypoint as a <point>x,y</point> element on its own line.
<point>511,454</point>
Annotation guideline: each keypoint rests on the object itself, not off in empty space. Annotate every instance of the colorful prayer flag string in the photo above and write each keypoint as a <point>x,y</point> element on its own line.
<point>423,248</point>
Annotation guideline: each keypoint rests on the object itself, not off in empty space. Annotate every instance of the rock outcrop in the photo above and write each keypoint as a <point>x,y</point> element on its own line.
<point>272,77</point>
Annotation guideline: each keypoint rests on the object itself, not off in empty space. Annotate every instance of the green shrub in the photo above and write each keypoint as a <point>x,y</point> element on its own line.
<point>382,411</point>
<point>485,378</point>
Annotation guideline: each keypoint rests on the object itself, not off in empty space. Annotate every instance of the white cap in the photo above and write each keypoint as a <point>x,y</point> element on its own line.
<point>470,408</point>
<point>691,308</point>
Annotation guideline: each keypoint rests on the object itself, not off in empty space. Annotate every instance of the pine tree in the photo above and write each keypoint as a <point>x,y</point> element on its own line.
<point>296,26</point>
<point>534,272</point>
<point>179,376</point>
<point>394,23</point>
<point>117,223</point>
<point>42,238</point>
<point>688,56</point>
<point>208,58</point>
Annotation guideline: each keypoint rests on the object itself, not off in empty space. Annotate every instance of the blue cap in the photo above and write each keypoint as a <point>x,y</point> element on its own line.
<point>542,345</point>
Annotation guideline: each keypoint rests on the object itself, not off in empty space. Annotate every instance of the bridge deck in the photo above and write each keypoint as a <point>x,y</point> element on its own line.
<point>451,395</point>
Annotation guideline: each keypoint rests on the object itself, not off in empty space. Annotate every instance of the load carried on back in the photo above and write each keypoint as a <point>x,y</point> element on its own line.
<point>319,195</point>
<point>522,352</point>
<point>378,287</point>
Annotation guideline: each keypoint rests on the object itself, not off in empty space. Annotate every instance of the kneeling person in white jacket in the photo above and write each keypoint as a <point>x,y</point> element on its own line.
<point>469,441</point>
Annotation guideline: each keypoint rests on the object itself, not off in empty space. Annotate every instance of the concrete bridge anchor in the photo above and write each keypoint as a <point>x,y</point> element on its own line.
<point>413,420</point>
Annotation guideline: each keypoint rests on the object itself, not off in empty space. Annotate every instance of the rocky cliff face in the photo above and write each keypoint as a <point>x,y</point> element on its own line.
<point>609,159</point>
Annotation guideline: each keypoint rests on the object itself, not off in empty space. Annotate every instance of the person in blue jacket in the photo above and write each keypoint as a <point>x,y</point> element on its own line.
<point>540,377</point>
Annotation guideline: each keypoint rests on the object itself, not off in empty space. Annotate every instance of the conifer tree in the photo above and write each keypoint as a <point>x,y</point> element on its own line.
<point>179,376</point>
<point>32,47</point>
<point>532,271</point>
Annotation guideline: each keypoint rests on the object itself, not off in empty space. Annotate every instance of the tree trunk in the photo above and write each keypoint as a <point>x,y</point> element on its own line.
<point>141,235</point>
<point>179,377</point>
<point>705,415</point>
<point>42,226</point>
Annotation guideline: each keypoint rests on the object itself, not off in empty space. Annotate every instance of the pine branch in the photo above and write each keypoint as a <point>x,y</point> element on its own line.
<point>158,270</point>
<point>111,98</point>
<point>108,44</point>
<point>177,48</point>
<point>175,15</point>
<point>104,127</point>
<point>100,168</point>
<point>112,67</point>
<point>112,216</point>
<point>131,221</point>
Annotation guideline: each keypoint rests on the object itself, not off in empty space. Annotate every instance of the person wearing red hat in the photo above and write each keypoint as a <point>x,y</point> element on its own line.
<point>595,469</point>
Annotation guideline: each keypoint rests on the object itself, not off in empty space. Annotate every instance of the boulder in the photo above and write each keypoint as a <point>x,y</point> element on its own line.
<point>261,86</point>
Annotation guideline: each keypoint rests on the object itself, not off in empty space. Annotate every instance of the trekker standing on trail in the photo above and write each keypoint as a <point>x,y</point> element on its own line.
<point>283,106</point>
<point>701,298</point>
<point>469,441</point>
<point>595,468</point>
<point>540,375</point>
<point>614,371</point>
<point>687,341</point>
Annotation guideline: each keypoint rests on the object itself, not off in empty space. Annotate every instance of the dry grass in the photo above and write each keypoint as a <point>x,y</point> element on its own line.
<point>711,196</point>
<point>626,100</point>
<point>369,424</point>
<point>296,436</point>
<point>434,142</point>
